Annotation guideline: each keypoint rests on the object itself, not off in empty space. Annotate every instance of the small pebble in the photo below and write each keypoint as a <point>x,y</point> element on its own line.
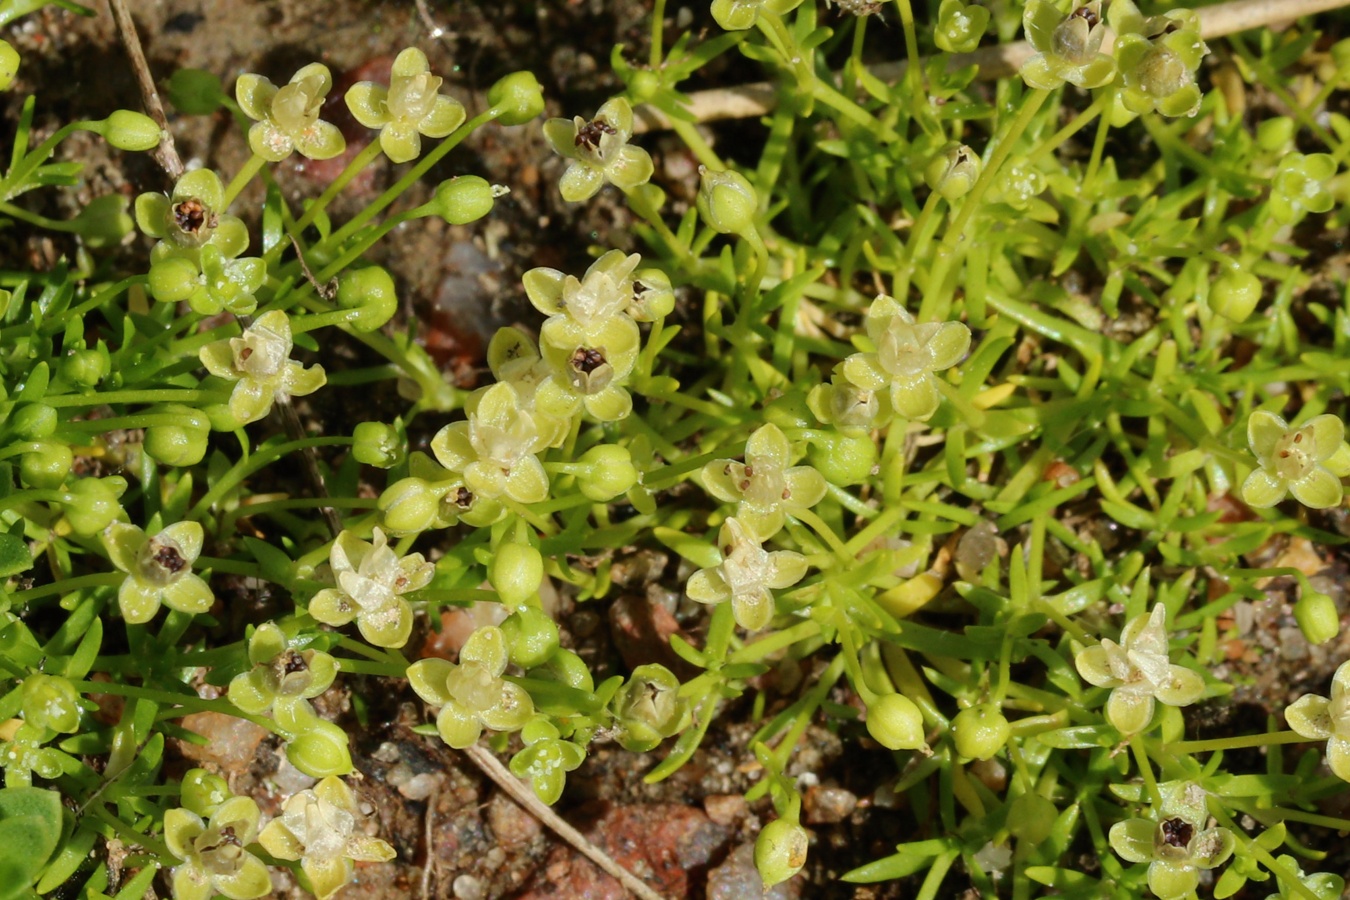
<point>826,805</point>
<point>467,887</point>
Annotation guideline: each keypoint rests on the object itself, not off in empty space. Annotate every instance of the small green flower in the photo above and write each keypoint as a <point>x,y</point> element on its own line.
<point>1321,719</point>
<point>1307,461</point>
<point>287,118</point>
<point>846,406</point>
<point>1068,47</point>
<point>408,110</point>
<point>747,576</point>
<point>1176,844</point>
<point>959,26</point>
<point>613,285</point>
<point>494,449</point>
<point>1140,672</point>
<point>284,672</point>
<point>192,216</point>
<point>765,487</point>
<point>648,708</point>
<point>371,581</point>
<point>1325,885</point>
<point>514,359</point>
<point>213,854</point>
<point>1158,58</point>
<point>907,355</point>
<point>23,755</point>
<point>1299,186</point>
<point>589,368</point>
<point>599,151</point>
<point>319,828</point>
<point>260,364</point>
<point>51,703</point>
<point>738,15</point>
<point>207,280</point>
<point>472,695</point>
<point>159,570</point>
<point>546,760</point>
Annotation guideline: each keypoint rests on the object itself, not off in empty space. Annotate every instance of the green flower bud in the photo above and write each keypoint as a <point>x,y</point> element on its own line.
<point>611,472</point>
<point>377,444</point>
<point>127,130</point>
<point>320,749</point>
<point>980,731</point>
<point>464,199</point>
<point>86,367</point>
<point>221,418</point>
<point>51,702</point>
<point>565,667</point>
<point>518,96</point>
<point>649,709</point>
<point>34,421</point>
<point>843,459</point>
<point>203,792</point>
<point>104,221</point>
<point>780,851</point>
<point>182,443</point>
<point>9,65</point>
<point>516,572</point>
<point>960,27</point>
<point>1235,295</point>
<point>953,172</point>
<point>173,279</point>
<point>409,506</point>
<point>643,85</point>
<point>369,294</point>
<point>896,723</point>
<point>531,636</point>
<point>91,504</point>
<point>1275,135</point>
<point>1317,617</point>
<point>1031,818</point>
<point>789,411</point>
<point>47,466</point>
<point>726,201</point>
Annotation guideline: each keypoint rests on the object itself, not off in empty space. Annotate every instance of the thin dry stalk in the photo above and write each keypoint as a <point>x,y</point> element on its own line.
<point>166,154</point>
<point>749,100</point>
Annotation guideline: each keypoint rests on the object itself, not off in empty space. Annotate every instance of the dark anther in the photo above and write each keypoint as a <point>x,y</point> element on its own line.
<point>787,495</point>
<point>1298,437</point>
<point>293,662</point>
<point>590,133</point>
<point>191,216</point>
<point>169,558</point>
<point>245,353</point>
<point>463,498</point>
<point>639,288</point>
<point>1177,833</point>
<point>1086,13</point>
<point>587,360</point>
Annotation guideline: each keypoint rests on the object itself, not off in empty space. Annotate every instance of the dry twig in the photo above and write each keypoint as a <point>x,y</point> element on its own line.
<point>749,100</point>
<point>166,154</point>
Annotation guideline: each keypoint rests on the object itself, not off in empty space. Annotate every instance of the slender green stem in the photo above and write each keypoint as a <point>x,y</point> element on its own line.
<point>1287,878</point>
<point>67,586</point>
<point>242,178</point>
<point>658,33</point>
<point>1238,743</point>
<point>368,155</point>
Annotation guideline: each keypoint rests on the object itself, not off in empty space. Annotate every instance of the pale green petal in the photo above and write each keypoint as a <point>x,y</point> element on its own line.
<point>138,601</point>
<point>618,113</point>
<point>452,447</point>
<point>1319,489</point>
<point>251,400</point>
<point>768,448</point>
<point>1095,667</point>
<point>218,358</point>
<point>189,594</point>
<point>331,607</point>
<point>1129,711</point>
<point>1182,688</point>
<point>805,485</point>
<point>1264,430</point>
<point>189,883</point>
<point>246,693</point>
<point>1096,73</point>
<point>188,536</point>
<point>1340,682</point>
<point>230,236</point>
<point>1172,881</point>
<point>369,849</point>
<point>544,288</point>
<point>707,586</point>
<point>863,370</point>
<point>327,876</point>
<point>457,728</point>
<point>527,483</point>
<point>400,142</point>
<point>487,646</point>
<point>269,142</point>
<point>251,881</point>
<point>387,631</point>
<point>123,543</point>
<point>1263,489</point>
<point>410,62</point>
<point>278,841</point>
<point>1328,433</point>
<point>1310,716</point>
<point>428,679</point>
<point>203,184</point>
<point>446,115</point>
<point>722,478</point>
<point>152,214</point>
<point>181,828</point>
<point>786,569</point>
<point>735,15</point>
<point>300,381</point>
<point>753,611</point>
<point>1338,757</point>
<point>368,103</point>
<point>630,168</point>
<point>762,523</point>
<point>254,94</point>
<point>916,399</point>
<point>1217,844</point>
<point>1133,840</point>
<point>1338,463</point>
<point>610,405</point>
<point>580,182</point>
<point>513,710</point>
<point>561,135</point>
<point>1037,73</point>
<point>322,140</point>
<point>947,347</point>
